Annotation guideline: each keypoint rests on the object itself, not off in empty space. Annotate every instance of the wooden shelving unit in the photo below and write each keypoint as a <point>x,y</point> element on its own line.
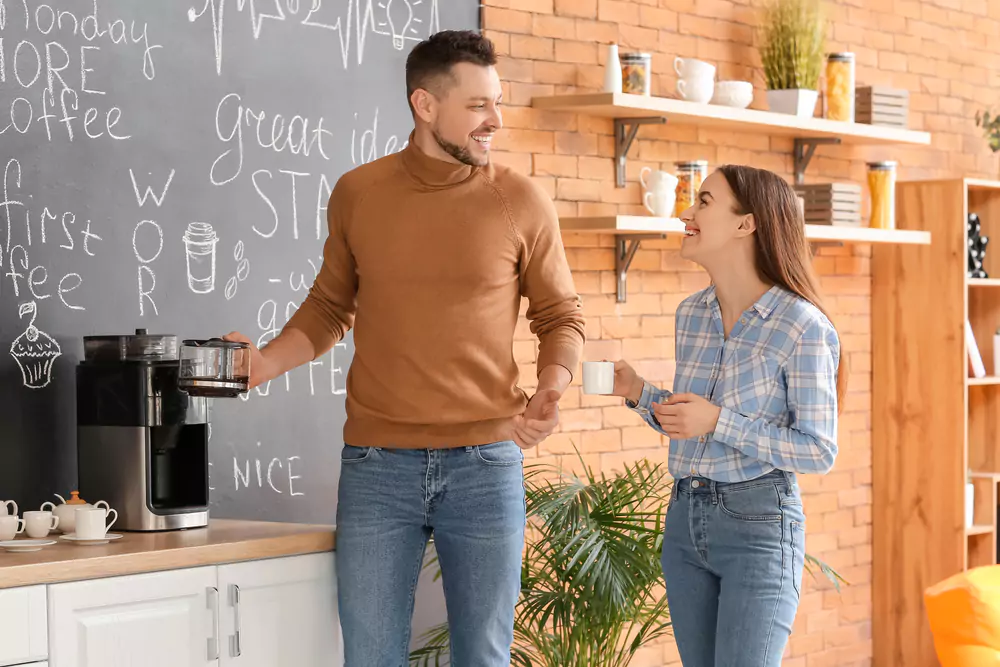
<point>934,428</point>
<point>631,111</point>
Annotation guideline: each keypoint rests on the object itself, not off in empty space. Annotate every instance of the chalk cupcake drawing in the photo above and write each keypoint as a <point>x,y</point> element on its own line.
<point>34,351</point>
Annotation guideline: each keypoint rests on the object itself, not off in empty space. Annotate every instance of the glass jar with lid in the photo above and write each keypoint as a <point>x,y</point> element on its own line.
<point>690,175</point>
<point>840,86</point>
<point>636,73</point>
<point>882,188</point>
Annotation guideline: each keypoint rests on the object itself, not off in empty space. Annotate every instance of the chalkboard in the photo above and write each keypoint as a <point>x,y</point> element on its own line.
<point>166,165</point>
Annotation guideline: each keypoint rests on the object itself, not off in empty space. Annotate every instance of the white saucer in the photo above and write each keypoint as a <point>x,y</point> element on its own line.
<point>83,542</point>
<point>16,546</point>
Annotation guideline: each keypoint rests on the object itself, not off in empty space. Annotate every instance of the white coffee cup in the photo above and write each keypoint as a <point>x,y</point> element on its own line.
<point>653,179</point>
<point>694,69</point>
<point>92,522</point>
<point>598,377</point>
<point>699,91</point>
<point>660,202</point>
<point>10,527</point>
<point>38,523</point>
<point>11,504</point>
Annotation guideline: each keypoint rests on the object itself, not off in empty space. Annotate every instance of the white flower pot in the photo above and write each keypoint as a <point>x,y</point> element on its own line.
<point>795,101</point>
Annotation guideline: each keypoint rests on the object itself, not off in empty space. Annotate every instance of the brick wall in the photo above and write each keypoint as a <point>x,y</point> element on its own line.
<point>940,50</point>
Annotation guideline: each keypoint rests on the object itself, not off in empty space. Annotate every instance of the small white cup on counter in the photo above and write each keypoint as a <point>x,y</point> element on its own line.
<point>37,524</point>
<point>10,527</point>
<point>92,522</point>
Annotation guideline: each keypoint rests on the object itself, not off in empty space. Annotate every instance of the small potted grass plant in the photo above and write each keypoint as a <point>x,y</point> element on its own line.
<point>991,128</point>
<point>792,36</point>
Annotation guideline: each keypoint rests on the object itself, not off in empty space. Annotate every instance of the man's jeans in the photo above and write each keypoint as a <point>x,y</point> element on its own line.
<point>390,501</point>
<point>733,556</point>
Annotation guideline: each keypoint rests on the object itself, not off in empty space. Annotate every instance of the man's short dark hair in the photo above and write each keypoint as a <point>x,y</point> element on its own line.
<point>433,58</point>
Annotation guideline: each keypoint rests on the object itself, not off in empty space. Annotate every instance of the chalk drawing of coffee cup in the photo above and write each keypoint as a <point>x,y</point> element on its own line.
<point>199,245</point>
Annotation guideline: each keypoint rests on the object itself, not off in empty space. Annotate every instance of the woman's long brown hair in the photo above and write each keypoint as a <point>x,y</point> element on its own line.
<point>782,252</point>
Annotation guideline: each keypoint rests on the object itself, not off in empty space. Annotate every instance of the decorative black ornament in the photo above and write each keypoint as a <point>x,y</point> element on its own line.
<point>977,247</point>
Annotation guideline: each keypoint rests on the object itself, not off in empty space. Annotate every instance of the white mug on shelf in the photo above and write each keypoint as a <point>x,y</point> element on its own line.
<point>92,523</point>
<point>657,179</point>
<point>10,527</point>
<point>660,202</point>
<point>699,91</point>
<point>692,68</point>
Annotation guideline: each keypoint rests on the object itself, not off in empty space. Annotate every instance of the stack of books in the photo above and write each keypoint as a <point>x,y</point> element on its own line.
<point>831,203</point>
<point>879,105</point>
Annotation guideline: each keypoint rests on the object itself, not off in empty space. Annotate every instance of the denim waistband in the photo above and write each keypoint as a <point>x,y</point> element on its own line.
<point>698,484</point>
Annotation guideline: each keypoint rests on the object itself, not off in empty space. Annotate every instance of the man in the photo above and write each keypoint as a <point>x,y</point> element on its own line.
<point>429,253</point>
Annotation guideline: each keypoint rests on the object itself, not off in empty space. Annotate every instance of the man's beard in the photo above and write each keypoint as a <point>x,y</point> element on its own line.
<point>458,152</point>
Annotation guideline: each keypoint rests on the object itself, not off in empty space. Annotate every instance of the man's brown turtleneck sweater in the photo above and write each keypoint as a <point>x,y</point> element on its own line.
<point>428,261</point>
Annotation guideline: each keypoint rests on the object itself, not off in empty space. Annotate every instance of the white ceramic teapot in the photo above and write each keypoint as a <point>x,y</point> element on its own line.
<point>66,511</point>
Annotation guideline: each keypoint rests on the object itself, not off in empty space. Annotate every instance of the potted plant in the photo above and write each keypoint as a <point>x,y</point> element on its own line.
<point>591,585</point>
<point>991,128</point>
<point>792,36</point>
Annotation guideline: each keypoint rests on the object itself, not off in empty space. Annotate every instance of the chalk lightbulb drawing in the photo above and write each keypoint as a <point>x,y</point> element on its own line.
<point>399,14</point>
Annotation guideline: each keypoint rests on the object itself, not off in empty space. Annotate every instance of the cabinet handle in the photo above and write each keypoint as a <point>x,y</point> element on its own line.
<point>234,641</point>
<point>213,641</point>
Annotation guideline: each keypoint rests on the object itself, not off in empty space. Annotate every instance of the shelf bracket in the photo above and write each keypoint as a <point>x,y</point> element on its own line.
<point>625,131</point>
<point>804,150</point>
<point>625,249</point>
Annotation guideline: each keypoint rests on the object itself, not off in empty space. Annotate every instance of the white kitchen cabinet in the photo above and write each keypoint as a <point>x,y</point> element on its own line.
<point>23,630</point>
<point>261,613</point>
<point>280,611</point>
<point>163,619</point>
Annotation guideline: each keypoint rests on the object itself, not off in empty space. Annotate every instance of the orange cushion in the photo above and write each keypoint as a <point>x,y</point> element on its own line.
<point>964,614</point>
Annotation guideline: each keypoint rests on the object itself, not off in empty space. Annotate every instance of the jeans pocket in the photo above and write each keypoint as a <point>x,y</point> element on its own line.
<point>798,539</point>
<point>754,503</point>
<point>503,453</point>
<point>352,454</point>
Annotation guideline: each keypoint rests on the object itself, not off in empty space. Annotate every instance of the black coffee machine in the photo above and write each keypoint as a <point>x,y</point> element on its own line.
<point>142,442</point>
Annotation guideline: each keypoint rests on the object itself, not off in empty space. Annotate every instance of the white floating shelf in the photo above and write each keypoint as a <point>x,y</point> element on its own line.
<point>645,225</point>
<point>624,105</point>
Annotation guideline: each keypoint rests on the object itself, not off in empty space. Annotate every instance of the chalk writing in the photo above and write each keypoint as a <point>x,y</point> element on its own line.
<point>275,474</point>
<point>142,197</point>
<point>271,324</point>
<point>295,137</point>
<point>47,21</point>
<point>352,29</point>
<point>365,149</point>
<point>18,263</point>
<point>146,277</point>
<point>53,106</point>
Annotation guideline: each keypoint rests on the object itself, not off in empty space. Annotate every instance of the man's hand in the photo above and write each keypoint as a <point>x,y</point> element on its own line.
<point>258,363</point>
<point>540,418</point>
<point>687,416</point>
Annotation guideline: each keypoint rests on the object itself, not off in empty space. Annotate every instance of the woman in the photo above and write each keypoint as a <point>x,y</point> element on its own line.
<point>758,384</point>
